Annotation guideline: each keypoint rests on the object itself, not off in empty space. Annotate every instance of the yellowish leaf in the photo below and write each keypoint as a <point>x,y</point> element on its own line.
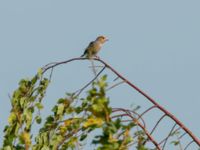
<point>93,121</point>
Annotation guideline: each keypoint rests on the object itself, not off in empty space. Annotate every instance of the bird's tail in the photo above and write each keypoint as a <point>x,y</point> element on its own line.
<point>84,53</point>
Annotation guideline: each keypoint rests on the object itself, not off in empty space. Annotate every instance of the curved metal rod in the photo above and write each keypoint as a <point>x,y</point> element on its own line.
<point>182,135</point>
<point>197,141</point>
<point>188,144</point>
<point>149,136</point>
<point>154,102</point>
<point>156,126</point>
<point>157,123</point>
<point>150,108</point>
<point>169,135</point>
<point>144,129</point>
<point>125,110</point>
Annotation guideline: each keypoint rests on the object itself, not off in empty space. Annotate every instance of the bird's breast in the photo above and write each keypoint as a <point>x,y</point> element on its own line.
<point>98,46</point>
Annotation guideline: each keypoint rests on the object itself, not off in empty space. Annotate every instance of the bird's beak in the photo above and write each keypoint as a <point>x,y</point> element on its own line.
<point>107,40</point>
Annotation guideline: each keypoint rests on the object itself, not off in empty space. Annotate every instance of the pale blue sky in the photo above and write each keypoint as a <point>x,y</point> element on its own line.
<point>155,44</point>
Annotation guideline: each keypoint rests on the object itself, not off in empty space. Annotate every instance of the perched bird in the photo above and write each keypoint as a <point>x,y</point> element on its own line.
<point>94,47</point>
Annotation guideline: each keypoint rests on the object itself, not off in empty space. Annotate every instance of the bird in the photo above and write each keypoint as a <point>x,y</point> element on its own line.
<point>94,47</point>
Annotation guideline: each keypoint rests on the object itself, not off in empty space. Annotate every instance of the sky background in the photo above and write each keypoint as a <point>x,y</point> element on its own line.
<point>154,44</point>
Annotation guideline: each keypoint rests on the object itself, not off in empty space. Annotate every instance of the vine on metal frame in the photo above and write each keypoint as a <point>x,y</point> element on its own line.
<point>166,113</point>
<point>93,112</point>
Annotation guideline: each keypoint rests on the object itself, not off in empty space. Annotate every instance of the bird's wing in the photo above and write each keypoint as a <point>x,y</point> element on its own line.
<point>91,44</point>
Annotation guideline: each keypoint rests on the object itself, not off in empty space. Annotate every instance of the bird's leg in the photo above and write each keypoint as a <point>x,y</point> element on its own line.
<point>97,57</point>
<point>93,67</point>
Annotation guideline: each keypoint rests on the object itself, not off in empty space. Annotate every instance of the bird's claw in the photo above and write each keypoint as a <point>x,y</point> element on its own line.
<point>97,57</point>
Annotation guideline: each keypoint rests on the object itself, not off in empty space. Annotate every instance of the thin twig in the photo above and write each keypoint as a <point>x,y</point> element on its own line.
<point>155,126</point>
<point>80,90</point>
<point>157,123</point>
<point>152,107</point>
<point>114,85</point>
<point>169,135</point>
<point>116,78</point>
<point>96,66</point>
<point>51,73</point>
<point>182,135</point>
<point>188,145</point>
<point>179,142</point>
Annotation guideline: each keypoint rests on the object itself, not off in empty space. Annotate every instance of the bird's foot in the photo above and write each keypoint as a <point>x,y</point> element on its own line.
<point>97,57</point>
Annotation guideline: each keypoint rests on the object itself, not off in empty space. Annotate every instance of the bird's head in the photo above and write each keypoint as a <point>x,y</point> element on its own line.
<point>101,39</point>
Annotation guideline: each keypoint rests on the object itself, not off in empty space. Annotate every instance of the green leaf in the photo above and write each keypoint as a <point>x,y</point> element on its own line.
<point>39,105</point>
<point>60,109</point>
<point>118,123</point>
<point>40,72</point>
<point>28,118</point>
<point>104,77</point>
<point>45,148</point>
<point>61,100</point>
<point>50,119</point>
<point>12,118</point>
<point>175,143</point>
<point>7,148</point>
<point>34,79</point>
<point>83,136</point>
<point>22,101</point>
<point>78,110</point>
<point>38,119</point>
<point>54,109</point>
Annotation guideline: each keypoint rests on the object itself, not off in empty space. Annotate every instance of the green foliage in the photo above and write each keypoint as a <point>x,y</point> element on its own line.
<point>25,100</point>
<point>71,122</point>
